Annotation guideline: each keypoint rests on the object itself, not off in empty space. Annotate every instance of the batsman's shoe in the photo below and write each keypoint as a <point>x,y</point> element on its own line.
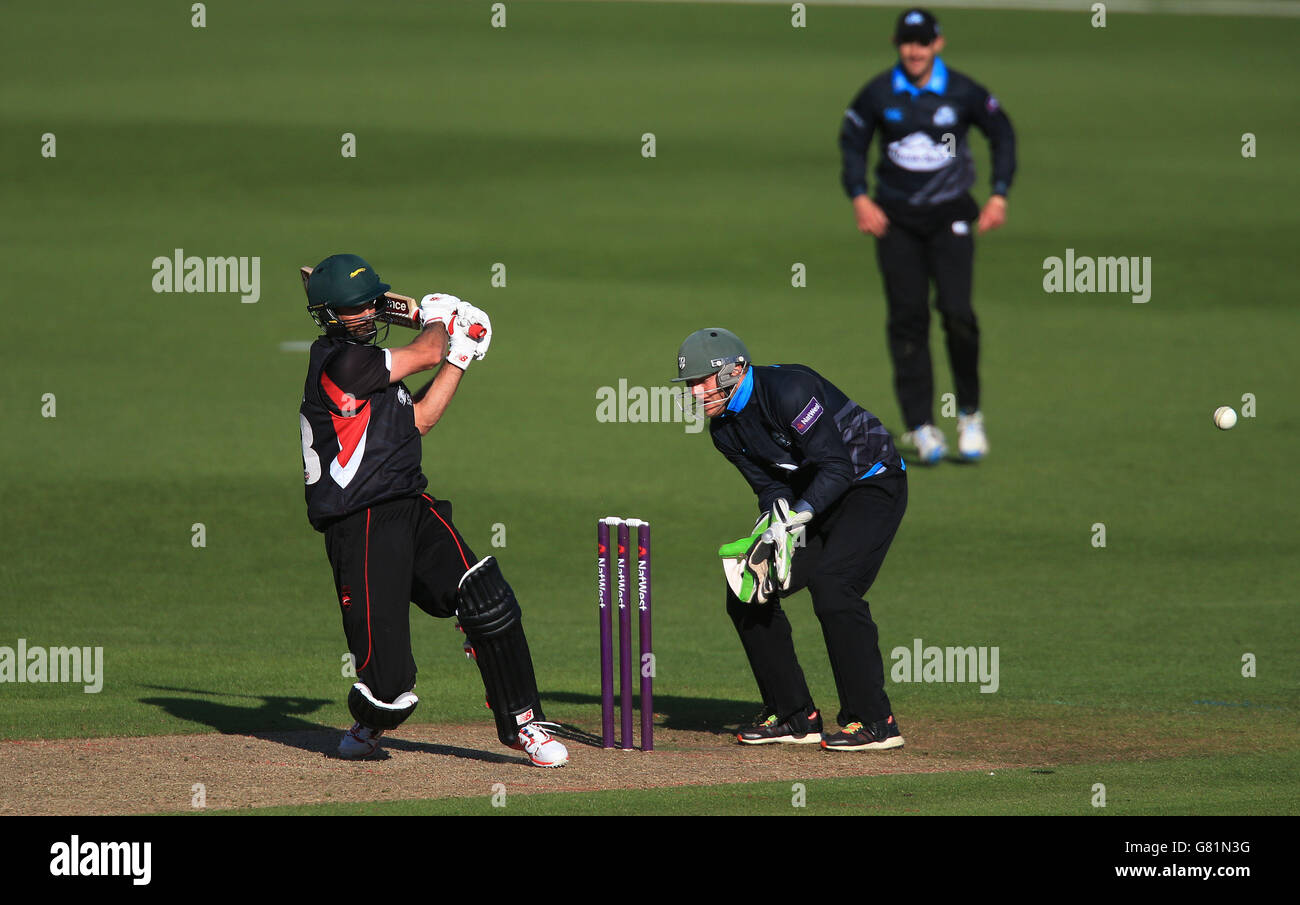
<point>878,736</point>
<point>541,748</point>
<point>971,441</point>
<point>800,729</point>
<point>360,741</point>
<point>930,444</point>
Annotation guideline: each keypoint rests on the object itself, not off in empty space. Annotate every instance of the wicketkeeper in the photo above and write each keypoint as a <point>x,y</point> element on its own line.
<point>389,543</point>
<point>831,490</point>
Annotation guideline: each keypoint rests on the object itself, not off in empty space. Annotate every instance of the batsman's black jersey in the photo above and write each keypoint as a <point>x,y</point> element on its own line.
<point>360,445</point>
<point>793,434</point>
<point>918,166</point>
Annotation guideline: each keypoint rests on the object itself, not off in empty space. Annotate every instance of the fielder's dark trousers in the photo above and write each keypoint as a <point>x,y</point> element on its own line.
<point>924,245</point>
<point>384,559</point>
<point>843,554</point>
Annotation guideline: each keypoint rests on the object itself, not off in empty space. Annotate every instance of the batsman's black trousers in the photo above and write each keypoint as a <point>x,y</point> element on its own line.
<point>384,559</point>
<point>843,553</point>
<point>923,245</point>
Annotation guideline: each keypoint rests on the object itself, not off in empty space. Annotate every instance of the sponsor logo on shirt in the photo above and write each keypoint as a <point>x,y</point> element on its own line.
<point>992,104</point>
<point>808,417</point>
<point>945,116</point>
<point>894,114</point>
<point>919,153</point>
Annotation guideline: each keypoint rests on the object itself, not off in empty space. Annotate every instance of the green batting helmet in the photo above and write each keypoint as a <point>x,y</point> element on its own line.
<point>712,350</point>
<point>343,281</point>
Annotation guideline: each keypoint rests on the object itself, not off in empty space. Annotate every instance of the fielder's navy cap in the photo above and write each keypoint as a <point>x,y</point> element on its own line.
<point>916,25</point>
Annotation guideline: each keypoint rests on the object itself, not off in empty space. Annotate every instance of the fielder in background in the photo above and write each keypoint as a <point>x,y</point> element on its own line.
<point>831,492</point>
<point>389,543</point>
<point>923,216</point>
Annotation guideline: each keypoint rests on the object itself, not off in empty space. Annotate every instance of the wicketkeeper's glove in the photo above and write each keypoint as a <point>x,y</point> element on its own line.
<point>787,531</point>
<point>747,564</point>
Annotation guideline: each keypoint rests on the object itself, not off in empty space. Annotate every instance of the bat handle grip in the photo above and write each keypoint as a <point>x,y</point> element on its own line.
<point>477,331</point>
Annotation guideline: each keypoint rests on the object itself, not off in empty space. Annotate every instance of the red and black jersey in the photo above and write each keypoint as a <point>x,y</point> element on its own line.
<point>360,445</point>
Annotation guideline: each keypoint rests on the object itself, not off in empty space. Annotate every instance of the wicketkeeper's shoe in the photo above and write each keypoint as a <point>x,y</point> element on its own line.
<point>360,741</point>
<point>804,728</point>
<point>878,736</point>
<point>930,444</point>
<point>541,748</point>
<point>971,441</point>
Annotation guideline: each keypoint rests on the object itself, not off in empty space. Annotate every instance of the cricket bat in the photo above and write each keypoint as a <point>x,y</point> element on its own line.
<point>401,310</point>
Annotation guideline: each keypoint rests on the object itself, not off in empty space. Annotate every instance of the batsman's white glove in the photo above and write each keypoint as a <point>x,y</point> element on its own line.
<point>438,308</point>
<point>462,349</point>
<point>477,316</point>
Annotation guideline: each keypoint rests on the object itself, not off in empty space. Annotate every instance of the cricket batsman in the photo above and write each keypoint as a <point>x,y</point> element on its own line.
<point>389,543</point>
<point>831,492</point>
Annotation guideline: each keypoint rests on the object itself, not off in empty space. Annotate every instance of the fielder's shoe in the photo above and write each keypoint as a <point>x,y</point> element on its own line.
<point>929,443</point>
<point>800,729</point>
<point>360,741</point>
<point>878,736</point>
<point>971,441</point>
<point>541,749</point>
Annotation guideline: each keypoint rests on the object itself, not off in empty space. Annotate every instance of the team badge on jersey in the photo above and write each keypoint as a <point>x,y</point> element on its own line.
<point>893,114</point>
<point>945,116</point>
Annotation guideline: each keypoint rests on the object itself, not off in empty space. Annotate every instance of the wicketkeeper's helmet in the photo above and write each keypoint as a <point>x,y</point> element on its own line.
<point>712,350</point>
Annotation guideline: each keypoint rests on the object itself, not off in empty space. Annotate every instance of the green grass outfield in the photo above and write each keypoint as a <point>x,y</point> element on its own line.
<point>1222,786</point>
<point>523,146</point>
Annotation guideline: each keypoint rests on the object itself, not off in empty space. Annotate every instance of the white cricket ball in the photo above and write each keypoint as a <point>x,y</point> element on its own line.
<point>1225,417</point>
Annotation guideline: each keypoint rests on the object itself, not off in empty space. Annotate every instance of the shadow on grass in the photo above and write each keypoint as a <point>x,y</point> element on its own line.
<point>718,716</point>
<point>281,720</point>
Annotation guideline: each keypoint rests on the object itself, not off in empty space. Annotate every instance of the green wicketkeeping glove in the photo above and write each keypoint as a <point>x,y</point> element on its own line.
<point>747,564</point>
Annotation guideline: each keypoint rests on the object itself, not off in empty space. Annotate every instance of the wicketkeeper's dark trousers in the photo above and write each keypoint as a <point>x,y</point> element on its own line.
<point>842,555</point>
<point>924,245</point>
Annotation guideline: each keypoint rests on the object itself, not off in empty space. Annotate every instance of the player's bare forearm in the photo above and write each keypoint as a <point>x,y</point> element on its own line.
<point>434,398</point>
<point>426,351</point>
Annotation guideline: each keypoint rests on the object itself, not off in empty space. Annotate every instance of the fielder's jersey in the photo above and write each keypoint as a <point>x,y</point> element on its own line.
<point>360,445</point>
<point>925,159</point>
<point>793,434</point>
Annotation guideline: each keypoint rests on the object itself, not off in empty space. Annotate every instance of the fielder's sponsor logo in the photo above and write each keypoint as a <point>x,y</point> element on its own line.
<point>960,228</point>
<point>103,859</point>
<point>853,117</point>
<point>1086,274</point>
<point>403,396</point>
<point>992,104</point>
<point>946,664</point>
<point>808,417</point>
<point>914,18</point>
<point>893,114</point>
<point>194,274</point>
<point>945,116</point>
<point>919,153</point>
<point>524,718</point>
<point>35,664</point>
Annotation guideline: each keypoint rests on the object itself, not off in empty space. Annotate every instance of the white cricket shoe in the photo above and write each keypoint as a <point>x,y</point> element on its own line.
<point>360,741</point>
<point>971,441</point>
<point>541,749</point>
<point>929,443</point>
